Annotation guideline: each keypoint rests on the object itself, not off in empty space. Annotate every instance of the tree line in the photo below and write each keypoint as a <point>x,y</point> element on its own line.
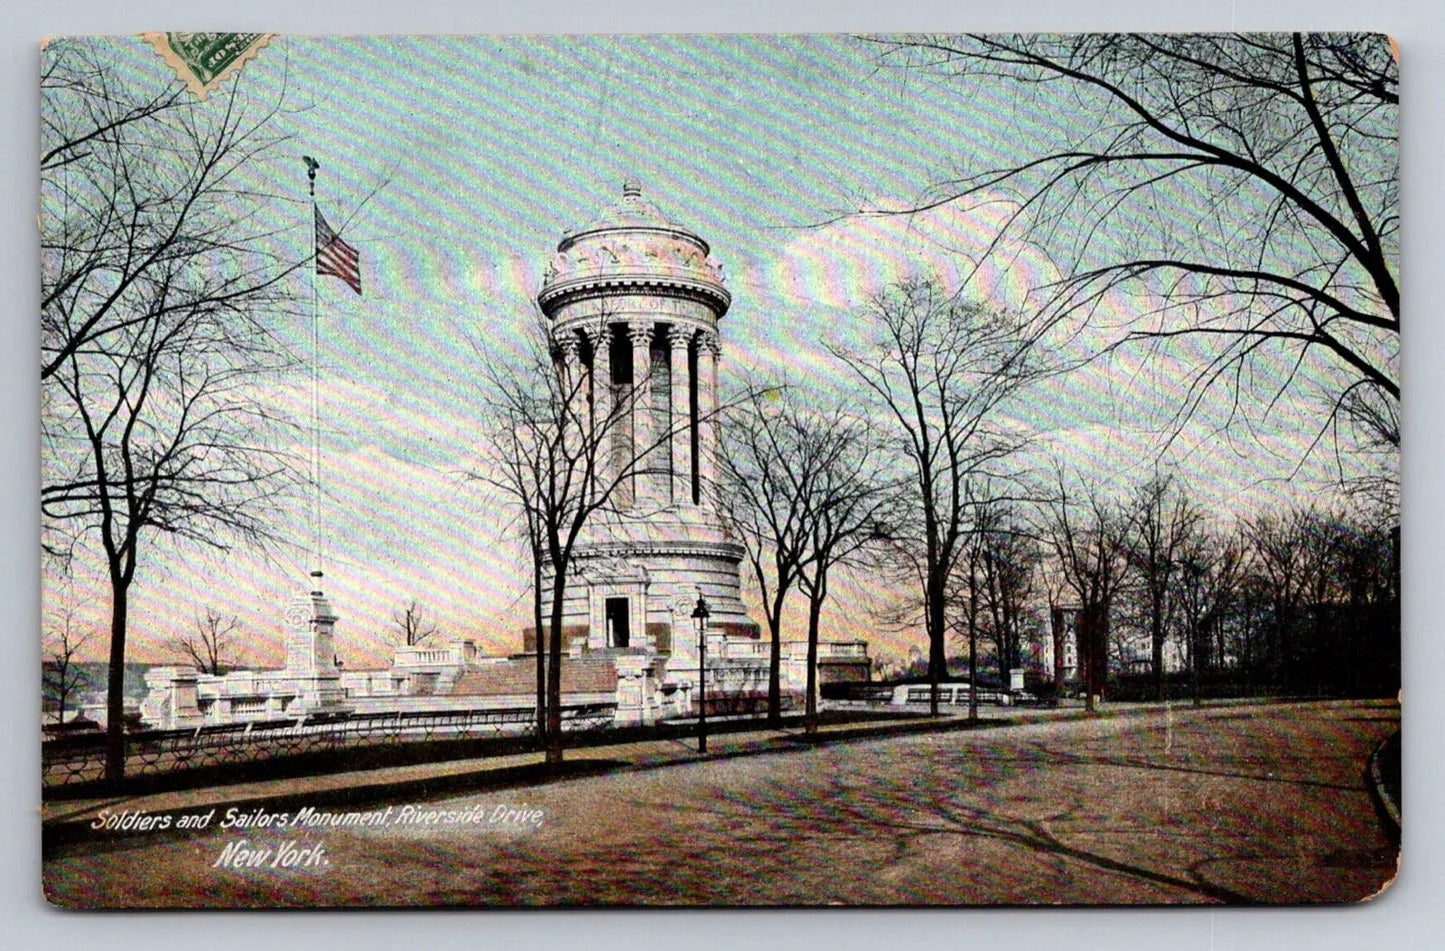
<point>1167,598</point>
<point>987,557</point>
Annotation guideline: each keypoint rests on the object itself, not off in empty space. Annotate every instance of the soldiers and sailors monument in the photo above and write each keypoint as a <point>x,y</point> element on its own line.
<point>634,303</point>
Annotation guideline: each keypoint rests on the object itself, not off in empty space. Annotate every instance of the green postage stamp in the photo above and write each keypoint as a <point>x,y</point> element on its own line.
<point>205,60</point>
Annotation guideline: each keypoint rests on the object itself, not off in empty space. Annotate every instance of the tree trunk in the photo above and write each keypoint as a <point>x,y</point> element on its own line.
<point>554,672</point>
<point>775,690</point>
<point>1005,662</point>
<point>972,671</point>
<point>1007,625</point>
<point>115,685</point>
<point>1101,652</point>
<point>1088,635</point>
<point>810,709</point>
<point>537,643</point>
<point>61,693</point>
<point>937,659</point>
<point>1194,661</point>
<point>972,652</point>
<point>1156,643</point>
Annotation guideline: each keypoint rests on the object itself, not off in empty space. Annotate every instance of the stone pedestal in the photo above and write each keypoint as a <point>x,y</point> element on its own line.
<point>311,655</point>
<point>171,702</point>
<point>636,690</point>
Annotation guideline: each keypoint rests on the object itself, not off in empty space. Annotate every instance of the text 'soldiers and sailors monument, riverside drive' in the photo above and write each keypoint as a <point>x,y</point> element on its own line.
<point>634,303</point>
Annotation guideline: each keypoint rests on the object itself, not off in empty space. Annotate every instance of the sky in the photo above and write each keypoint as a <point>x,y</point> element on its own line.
<point>454,165</point>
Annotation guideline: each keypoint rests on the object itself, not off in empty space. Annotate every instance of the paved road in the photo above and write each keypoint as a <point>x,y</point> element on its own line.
<point>1248,804</point>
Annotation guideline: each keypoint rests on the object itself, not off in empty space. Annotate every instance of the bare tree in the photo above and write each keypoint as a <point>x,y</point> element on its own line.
<point>967,595</point>
<point>541,454</point>
<point>770,467</point>
<point>1324,534</point>
<point>1280,559</point>
<point>1009,557</point>
<point>159,280</point>
<point>1243,186</point>
<point>61,674</point>
<point>1162,522</point>
<point>937,370</point>
<point>1368,579</point>
<point>100,251</point>
<point>1322,601</point>
<point>1086,534</point>
<point>805,492</point>
<point>1206,584</point>
<point>411,624</point>
<point>851,508</point>
<point>207,646</point>
<point>993,586</point>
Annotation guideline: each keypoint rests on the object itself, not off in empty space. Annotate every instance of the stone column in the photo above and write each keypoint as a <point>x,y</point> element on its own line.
<point>569,346</point>
<point>571,385</point>
<point>602,397</point>
<point>709,426</point>
<point>678,339</point>
<point>643,461</point>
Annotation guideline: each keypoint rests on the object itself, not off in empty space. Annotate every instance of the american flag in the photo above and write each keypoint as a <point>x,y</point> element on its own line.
<point>336,257</point>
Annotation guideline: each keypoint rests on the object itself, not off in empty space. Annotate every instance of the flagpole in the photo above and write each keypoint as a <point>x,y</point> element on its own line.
<point>316,572</point>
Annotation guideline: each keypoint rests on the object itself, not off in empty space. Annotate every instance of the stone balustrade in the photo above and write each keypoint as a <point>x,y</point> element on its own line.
<point>827,650</point>
<point>740,649</point>
<point>452,655</point>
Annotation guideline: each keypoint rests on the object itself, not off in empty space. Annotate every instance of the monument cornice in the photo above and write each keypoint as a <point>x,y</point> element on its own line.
<point>623,549</point>
<point>561,293</point>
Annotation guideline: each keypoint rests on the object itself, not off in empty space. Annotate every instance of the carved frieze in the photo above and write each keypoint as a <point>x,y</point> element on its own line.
<point>638,253</point>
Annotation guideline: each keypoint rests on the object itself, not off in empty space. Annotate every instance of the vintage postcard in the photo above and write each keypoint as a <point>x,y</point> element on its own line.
<point>719,470</point>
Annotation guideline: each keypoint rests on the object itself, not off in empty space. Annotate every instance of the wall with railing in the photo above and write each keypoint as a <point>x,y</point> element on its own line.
<point>453,655</point>
<point>78,759</point>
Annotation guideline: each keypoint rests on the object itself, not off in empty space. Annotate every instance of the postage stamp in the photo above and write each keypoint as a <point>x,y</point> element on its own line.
<point>205,60</point>
<point>719,470</point>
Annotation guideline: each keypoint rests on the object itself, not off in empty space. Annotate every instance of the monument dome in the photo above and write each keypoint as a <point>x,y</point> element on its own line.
<point>632,244</point>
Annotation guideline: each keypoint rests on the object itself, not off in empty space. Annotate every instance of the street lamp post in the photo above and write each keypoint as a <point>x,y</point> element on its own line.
<point>700,615</point>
